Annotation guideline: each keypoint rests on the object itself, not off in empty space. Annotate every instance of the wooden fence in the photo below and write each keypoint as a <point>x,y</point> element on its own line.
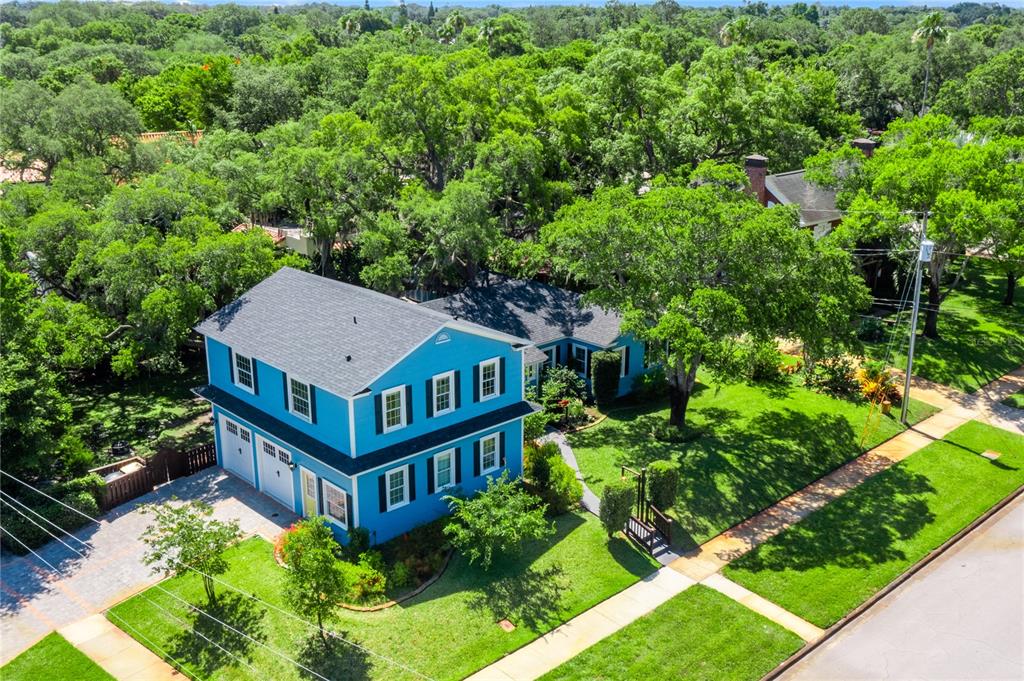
<point>162,467</point>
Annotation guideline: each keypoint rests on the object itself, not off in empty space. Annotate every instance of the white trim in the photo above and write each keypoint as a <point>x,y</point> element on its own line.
<point>206,349</point>
<point>316,491</point>
<point>450,453</point>
<point>259,439</point>
<point>497,453</point>
<point>573,358</point>
<point>450,375</point>
<point>355,501</point>
<point>622,361</point>
<point>385,428</point>
<point>344,504</point>
<point>252,371</point>
<point>404,470</point>
<point>496,361</point>
<point>291,398</point>
<point>351,427</point>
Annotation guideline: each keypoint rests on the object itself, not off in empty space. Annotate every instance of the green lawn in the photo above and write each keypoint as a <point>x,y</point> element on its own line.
<point>980,338</point>
<point>142,411</point>
<point>746,447</point>
<point>1015,400</point>
<point>447,632</point>
<point>825,566</point>
<point>53,658</point>
<point>699,634</point>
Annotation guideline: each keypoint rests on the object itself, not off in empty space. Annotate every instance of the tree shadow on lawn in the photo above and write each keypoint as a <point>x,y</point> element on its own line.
<point>964,349</point>
<point>532,599</point>
<point>856,530</point>
<point>335,659</point>
<point>208,645</point>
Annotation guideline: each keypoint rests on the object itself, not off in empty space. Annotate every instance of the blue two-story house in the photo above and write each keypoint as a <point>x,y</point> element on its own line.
<point>342,402</point>
<point>563,330</point>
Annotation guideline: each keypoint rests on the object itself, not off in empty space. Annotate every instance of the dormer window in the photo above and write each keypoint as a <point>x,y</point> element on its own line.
<point>243,373</point>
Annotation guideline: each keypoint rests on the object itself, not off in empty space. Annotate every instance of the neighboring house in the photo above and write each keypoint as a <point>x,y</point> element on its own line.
<point>344,402</point>
<point>817,204</point>
<point>562,329</point>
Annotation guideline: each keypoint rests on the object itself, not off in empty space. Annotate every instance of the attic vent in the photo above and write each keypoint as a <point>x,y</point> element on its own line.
<point>442,338</point>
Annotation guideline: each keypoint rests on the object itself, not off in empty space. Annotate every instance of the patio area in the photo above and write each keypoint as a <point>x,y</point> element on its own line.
<point>34,601</point>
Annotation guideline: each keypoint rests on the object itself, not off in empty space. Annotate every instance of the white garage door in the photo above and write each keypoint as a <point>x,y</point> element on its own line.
<point>236,449</point>
<point>275,474</point>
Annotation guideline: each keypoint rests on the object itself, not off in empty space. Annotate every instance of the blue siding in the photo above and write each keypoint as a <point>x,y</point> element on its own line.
<point>331,425</point>
<point>636,357</point>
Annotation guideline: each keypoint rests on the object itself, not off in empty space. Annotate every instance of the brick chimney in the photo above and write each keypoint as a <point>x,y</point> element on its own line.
<point>757,170</point>
<point>866,146</point>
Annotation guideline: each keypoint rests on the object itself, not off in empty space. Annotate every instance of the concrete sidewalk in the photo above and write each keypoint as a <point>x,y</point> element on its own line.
<point>116,652</point>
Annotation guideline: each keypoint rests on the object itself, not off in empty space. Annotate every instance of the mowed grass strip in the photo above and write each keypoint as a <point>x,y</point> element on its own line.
<point>1016,400</point>
<point>447,632</point>
<point>827,565</point>
<point>699,634</point>
<point>53,658</point>
<point>744,448</point>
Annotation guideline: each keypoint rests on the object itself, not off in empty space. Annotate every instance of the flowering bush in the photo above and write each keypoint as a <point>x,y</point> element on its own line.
<point>877,384</point>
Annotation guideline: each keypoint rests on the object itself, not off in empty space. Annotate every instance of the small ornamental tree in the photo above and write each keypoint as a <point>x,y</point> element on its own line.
<point>185,536</point>
<point>604,377</point>
<point>315,582</point>
<point>500,519</point>
<point>617,501</point>
<point>663,483</point>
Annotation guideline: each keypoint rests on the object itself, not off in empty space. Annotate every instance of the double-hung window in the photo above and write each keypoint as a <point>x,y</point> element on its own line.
<point>489,379</point>
<point>335,504</point>
<point>443,469</point>
<point>300,399</point>
<point>579,359</point>
<point>243,372</point>
<point>394,408</point>
<point>444,393</point>
<point>397,489</point>
<point>550,361</point>
<point>489,456</point>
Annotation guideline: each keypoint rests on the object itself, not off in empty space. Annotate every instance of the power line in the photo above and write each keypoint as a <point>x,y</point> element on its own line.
<point>234,588</point>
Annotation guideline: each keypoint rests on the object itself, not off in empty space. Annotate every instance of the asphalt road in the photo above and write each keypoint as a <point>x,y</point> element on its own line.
<point>961,617</point>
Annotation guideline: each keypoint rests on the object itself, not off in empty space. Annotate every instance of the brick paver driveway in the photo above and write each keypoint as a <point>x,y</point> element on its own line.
<point>34,601</point>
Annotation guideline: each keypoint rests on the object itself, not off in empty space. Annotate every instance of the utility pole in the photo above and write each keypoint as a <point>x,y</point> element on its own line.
<point>924,255</point>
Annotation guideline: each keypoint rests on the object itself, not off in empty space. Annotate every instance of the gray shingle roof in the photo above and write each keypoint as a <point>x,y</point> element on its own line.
<point>530,309</point>
<point>817,203</point>
<point>335,335</point>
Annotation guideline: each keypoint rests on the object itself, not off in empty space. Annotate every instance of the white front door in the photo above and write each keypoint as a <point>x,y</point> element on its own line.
<point>275,474</point>
<point>309,506</point>
<point>236,449</point>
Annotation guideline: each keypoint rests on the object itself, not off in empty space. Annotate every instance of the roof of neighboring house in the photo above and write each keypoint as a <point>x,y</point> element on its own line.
<point>817,203</point>
<point>347,464</point>
<point>530,309</point>
<point>337,336</point>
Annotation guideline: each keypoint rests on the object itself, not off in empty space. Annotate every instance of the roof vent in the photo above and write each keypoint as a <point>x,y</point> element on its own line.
<point>354,319</point>
<point>348,358</point>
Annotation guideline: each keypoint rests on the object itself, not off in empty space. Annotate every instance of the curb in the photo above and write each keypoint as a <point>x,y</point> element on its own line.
<point>799,655</point>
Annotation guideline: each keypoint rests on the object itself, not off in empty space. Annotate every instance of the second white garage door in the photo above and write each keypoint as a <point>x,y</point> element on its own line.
<point>275,472</point>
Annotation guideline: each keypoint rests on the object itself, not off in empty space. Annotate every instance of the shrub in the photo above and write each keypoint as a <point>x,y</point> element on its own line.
<point>617,501</point>
<point>663,483</point>
<point>534,425</point>
<point>536,467</point>
<point>871,329</point>
<point>604,377</point>
<point>560,383</point>
<point>401,576</point>
<point>649,386</point>
<point>500,519</point>
<point>761,362</point>
<point>91,484</point>
<point>575,412</point>
<point>834,376</point>
<point>34,536</point>
<point>358,543</point>
<point>877,384</point>
<point>563,492</point>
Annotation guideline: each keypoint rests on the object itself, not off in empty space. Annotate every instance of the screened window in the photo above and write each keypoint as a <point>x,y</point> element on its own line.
<point>444,386</point>
<point>443,469</point>
<point>335,505</point>
<point>300,399</point>
<point>243,372</point>
<point>488,379</point>
<point>394,409</point>
<point>579,359</point>
<point>396,488</point>
<point>489,453</point>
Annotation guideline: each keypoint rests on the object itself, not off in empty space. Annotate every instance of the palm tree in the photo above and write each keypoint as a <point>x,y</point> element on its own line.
<point>930,29</point>
<point>452,27</point>
<point>736,32</point>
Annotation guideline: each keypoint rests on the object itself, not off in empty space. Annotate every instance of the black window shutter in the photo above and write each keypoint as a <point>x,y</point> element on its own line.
<point>255,376</point>
<point>412,482</point>
<point>378,414</point>
<point>430,475</point>
<point>284,383</point>
<point>319,496</point>
<point>476,459</point>
<point>408,405</point>
<point>501,448</point>
<point>558,355</point>
<point>587,365</point>
<point>626,370</point>
<point>312,403</point>
<point>231,364</point>
<point>348,509</point>
<point>430,397</point>
<point>458,465</point>
<point>458,388</point>
<point>501,376</point>
<point>382,488</point>
<point>476,383</point>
